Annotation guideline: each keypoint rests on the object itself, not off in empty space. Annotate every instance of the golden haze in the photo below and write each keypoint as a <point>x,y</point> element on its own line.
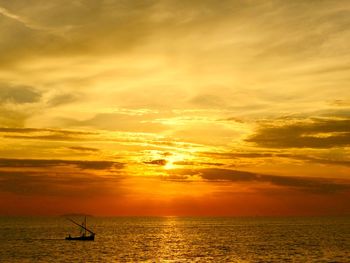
<point>174,107</point>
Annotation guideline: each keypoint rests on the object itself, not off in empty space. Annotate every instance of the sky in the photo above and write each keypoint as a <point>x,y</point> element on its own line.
<point>174,108</point>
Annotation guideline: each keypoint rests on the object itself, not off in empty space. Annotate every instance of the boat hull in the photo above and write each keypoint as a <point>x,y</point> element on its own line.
<point>82,238</point>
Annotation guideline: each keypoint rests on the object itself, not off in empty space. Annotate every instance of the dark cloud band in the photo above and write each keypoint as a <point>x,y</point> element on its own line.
<point>319,133</point>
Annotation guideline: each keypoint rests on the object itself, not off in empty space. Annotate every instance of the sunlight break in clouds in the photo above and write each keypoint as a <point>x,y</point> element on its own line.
<point>174,107</point>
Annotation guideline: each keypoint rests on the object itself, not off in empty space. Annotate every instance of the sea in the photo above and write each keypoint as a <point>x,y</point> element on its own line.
<point>177,239</point>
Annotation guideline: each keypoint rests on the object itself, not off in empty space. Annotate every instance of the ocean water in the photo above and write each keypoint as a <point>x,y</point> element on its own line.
<point>177,239</point>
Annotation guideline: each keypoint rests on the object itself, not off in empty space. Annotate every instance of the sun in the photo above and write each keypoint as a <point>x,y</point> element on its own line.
<point>169,165</point>
<point>173,160</point>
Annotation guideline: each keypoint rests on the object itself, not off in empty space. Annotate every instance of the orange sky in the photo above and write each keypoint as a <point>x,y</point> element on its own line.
<point>174,107</point>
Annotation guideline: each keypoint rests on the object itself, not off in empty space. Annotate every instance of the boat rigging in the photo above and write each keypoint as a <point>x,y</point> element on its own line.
<point>84,235</point>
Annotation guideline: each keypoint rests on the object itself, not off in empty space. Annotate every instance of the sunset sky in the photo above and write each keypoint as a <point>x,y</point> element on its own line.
<point>230,108</point>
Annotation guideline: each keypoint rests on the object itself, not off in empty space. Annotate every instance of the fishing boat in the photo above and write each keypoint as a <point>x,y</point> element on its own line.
<point>85,233</point>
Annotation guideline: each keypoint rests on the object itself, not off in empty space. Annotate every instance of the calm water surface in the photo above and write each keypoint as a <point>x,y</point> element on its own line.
<point>172,239</point>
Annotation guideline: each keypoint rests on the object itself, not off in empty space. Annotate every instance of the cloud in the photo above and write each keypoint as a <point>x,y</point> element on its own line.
<point>120,25</point>
<point>23,20</point>
<point>19,130</point>
<point>18,94</point>
<point>62,100</point>
<point>197,163</point>
<point>308,184</point>
<point>51,137</point>
<point>83,149</point>
<point>44,134</point>
<point>117,26</point>
<point>208,100</point>
<point>317,133</point>
<point>38,130</point>
<point>215,174</point>
<point>304,184</point>
<point>60,177</point>
<point>262,155</point>
<point>42,163</point>
<point>207,133</point>
<point>235,155</point>
<point>12,118</point>
<point>66,184</point>
<point>121,122</point>
<point>341,103</point>
<point>160,162</point>
<point>341,162</point>
<point>234,119</point>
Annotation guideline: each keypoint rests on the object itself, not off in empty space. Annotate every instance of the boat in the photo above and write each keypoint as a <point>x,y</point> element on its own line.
<point>86,234</point>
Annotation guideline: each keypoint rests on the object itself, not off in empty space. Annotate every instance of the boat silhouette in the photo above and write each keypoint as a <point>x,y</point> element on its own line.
<point>84,235</point>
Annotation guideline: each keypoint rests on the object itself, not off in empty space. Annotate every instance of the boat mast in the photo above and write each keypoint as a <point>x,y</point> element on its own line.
<point>85,226</point>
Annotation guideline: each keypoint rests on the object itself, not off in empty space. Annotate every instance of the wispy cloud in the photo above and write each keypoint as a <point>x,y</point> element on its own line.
<point>45,134</point>
<point>12,117</point>
<point>62,99</point>
<point>18,94</point>
<point>26,22</point>
<point>33,25</point>
<point>37,130</point>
